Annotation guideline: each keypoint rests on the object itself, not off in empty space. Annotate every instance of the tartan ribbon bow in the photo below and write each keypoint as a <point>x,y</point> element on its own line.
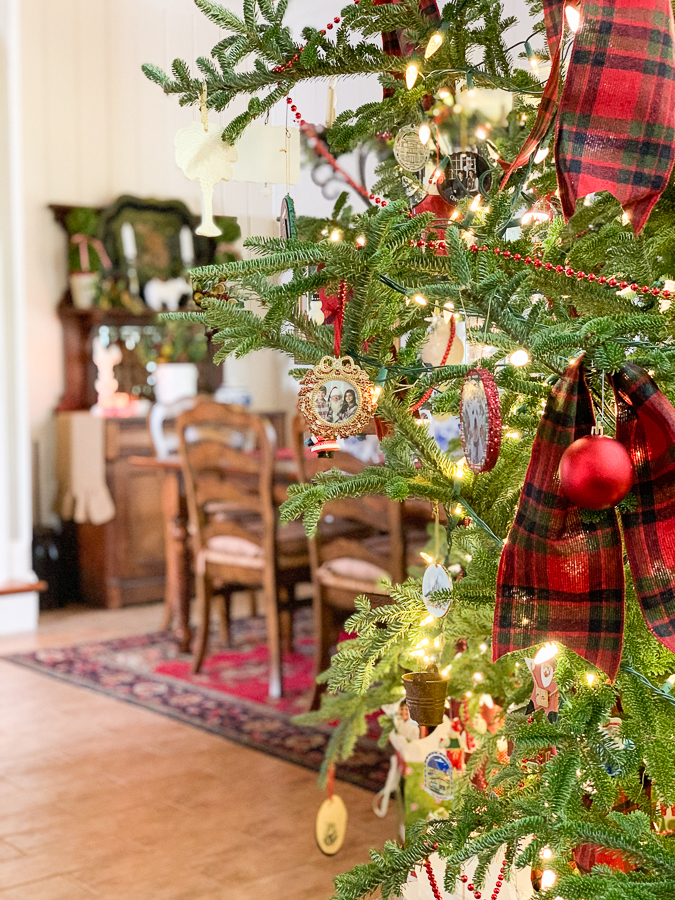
<point>615,128</point>
<point>560,577</point>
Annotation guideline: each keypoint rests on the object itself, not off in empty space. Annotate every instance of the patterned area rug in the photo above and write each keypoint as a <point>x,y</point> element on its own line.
<point>229,697</point>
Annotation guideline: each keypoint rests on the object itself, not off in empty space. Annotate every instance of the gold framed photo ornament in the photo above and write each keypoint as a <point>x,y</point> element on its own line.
<point>337,398</point>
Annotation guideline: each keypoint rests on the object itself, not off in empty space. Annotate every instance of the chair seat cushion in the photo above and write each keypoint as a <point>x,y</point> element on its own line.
<point>355,575</point>
<point>234,551</point>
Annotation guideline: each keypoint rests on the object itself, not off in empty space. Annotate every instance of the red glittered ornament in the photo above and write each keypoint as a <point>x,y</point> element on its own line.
<point>596,472</point>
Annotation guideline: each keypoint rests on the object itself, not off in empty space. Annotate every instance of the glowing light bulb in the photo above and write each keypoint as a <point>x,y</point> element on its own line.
<point>546,853</point>
<point>419,300</point>
<point>335,235</point>
<point>534,62</point>
<point>475,203</point>
<point>427,620</point>
<point>377,390</point>
<point>446,671</point>
<point>548,651</point>
<point>437,643</point>
<point>483,648</point>
<point>477,676</point>
<point>573,17</point>
<point>437,175</point>
<point>459,468</point>
<point>513,434</point>
<point>481,134</point>
<point>541,154</point>
<point>590,678</point>
<point>434,44</point>
<point>449,305</point>
<point>424,133</point>
<point>411,74</point>
<point>444,94</point>
<point>519,358</point>
<point>422,643</point>
<point>548,879</point>
<point>361,240</point>
<point>671,679</point>
<point>427,559</point>
<point>625,219</point>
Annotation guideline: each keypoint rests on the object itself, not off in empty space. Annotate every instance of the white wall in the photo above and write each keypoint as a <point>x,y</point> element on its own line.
<point>95,128</point>
<point>18,612</point>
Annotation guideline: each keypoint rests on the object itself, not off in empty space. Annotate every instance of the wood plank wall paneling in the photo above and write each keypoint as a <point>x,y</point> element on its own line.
<point>95,128</point>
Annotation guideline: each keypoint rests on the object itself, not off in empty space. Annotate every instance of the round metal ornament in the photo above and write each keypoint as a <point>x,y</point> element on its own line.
<point>480,420</point>
<point>411,154</point>
<point>337,398</point>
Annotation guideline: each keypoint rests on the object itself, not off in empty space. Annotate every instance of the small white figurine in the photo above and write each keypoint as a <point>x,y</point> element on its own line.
<point>161,295</point>
<point>204,157</point>
<point>105,360</point>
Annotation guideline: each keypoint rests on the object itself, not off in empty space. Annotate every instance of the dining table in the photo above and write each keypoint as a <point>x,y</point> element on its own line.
<point>178,582</point>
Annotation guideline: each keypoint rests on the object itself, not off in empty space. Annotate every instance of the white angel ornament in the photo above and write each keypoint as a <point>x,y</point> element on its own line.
<point>204,157</point>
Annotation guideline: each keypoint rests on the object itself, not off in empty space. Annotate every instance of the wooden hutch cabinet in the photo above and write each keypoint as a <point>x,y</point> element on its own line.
<point>123,561</point>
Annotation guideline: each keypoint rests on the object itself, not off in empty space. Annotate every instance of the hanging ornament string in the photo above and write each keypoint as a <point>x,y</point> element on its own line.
<point>321,150</point>
<point>416,406</point>
<point>339,317</point>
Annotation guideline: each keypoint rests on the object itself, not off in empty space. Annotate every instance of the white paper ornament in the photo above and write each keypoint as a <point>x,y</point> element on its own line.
<point>204,157</point>
<point>331,102</point>
<point>435,579</point>
<point>436,341</point>
<point>268,153</point>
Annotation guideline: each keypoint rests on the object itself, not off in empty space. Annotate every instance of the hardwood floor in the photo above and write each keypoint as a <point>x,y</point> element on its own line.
<point>103,799</point>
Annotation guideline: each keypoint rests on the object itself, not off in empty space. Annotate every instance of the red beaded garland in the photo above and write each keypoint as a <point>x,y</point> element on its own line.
<point>579,274</point>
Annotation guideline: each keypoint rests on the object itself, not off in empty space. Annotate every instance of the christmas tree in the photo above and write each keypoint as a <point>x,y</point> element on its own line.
<point>566,562</point>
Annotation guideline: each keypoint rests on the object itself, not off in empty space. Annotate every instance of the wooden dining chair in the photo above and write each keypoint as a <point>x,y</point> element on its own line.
<point>228,466</point>
<point>358,543</point>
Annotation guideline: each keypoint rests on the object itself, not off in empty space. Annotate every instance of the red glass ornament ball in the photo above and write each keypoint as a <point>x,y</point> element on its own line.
<point>596,472</point>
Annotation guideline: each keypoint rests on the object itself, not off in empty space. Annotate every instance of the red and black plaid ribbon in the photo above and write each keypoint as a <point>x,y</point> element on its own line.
<point>645,425</point>
<point>616,119</point>
<point>395,42</point>
<point>561,578</point>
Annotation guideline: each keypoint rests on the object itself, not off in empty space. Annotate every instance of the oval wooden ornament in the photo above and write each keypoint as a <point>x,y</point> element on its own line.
<point>331,825</point>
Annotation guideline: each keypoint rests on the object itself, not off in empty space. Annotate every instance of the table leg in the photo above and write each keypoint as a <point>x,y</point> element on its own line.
<point>176,540</point>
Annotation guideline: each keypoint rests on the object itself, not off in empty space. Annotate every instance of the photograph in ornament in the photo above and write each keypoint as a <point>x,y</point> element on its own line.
<point>466,173</point>
<point>337,398</point>
<point>480,420</point>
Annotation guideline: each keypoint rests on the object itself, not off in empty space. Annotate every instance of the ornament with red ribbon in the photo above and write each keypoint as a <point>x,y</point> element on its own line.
<point>615,121</point>
<point>560,575</point>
